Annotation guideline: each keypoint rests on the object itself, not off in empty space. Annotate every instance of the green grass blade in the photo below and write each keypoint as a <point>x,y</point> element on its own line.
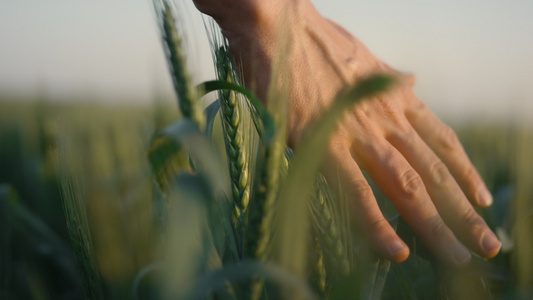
<point>211,113</point>
<point>187,139</point>
<point>166,160</point>
<point>214,281</point>
<point>198,233</point>
<point>188,142</point>
<point>270,169</point>
<point>38,234</point>
<point>6,239</point>
<point>185,250</point>
<point>293,224</point>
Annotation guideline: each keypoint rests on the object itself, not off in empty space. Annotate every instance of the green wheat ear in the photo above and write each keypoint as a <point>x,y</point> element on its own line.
<point>237,149</point>
<point>188,99</point>
<point>166,157</point>
<point>332,230</point>
<point>78,225</point>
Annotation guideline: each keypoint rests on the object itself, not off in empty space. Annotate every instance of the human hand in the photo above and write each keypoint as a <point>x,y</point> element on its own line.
<point>415,159</point>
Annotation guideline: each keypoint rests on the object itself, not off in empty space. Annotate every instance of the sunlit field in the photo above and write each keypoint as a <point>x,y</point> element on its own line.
<point>188,201</point>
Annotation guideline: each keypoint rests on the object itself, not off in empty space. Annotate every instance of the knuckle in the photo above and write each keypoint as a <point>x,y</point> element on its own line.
<point>418,108</point>
<point>378,224</point>
<point>387,105</point>
<point>390,108</point>
<point>362,189</point>
<point>469,174</point>
<point>407,134</point>
<point>472,219</point>
<point>362,120</point>
<point>338,143</point>
<point>439,173</point>
<point>411,183</point>
<point>437,227</point>
<point>416,111</point>
<point>447,138</point>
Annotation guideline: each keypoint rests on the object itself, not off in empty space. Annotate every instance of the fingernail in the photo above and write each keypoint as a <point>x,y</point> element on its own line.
<point>484,197</point>
<point>461,255</point>
<point>396,248</point>
<point>489,243</point>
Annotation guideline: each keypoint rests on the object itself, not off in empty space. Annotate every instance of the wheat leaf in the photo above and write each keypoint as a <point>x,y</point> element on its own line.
<point>188,142</point>
<point>185,138</point>
<point>245,270</point>
<point>211,113</point>
<point>268,129</point>
<point>296,190</point>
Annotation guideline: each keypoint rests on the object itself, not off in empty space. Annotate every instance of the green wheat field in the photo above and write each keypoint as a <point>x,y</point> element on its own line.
<point>183,200</point>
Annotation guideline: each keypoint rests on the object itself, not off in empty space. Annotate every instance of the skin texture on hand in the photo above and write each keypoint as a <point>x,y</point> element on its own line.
<point>415,159</point>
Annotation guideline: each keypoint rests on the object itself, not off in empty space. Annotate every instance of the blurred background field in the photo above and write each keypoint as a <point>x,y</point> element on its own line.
<point>106,150</point>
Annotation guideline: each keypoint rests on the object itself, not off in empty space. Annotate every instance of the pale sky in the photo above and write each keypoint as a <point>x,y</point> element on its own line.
<point>471,58</point>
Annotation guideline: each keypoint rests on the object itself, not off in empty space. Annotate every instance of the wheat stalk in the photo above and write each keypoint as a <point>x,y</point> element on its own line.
<point>173,45</point>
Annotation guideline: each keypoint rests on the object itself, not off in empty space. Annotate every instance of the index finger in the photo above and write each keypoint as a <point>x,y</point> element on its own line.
<point>444,142</point>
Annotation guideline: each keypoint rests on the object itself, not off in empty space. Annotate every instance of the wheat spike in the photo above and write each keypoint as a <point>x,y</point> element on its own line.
<point>332,231</point>
<point>78,224</point>
<point>172,42</point>
<point>232,116</point>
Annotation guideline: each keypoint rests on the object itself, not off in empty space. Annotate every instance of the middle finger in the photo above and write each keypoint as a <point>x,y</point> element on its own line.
<point>446,194</point>
<point>397,179</point>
